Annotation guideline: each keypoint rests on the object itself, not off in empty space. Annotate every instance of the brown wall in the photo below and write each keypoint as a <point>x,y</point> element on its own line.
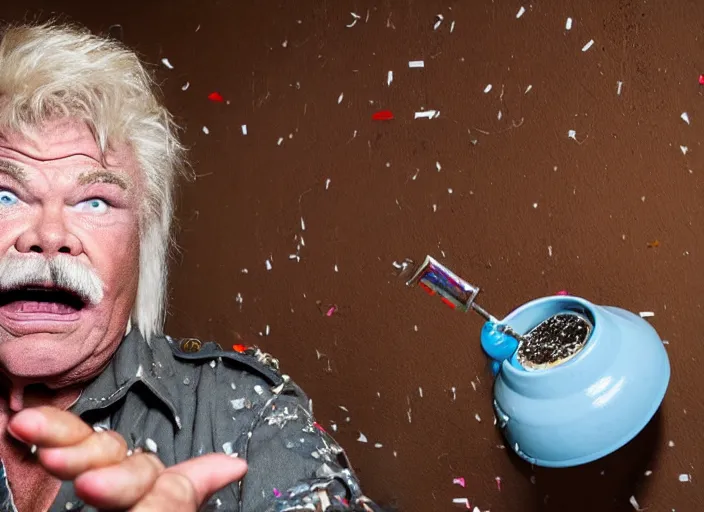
<point>600,201</point>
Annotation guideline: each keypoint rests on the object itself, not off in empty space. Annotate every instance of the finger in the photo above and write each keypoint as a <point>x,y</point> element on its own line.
<point>119,486</point>
<point>98,450</point>
<point>187,486</point>
<point>48,427</point>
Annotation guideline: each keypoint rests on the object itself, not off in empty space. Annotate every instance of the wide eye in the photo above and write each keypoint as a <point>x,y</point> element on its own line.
<point>7,198</point>
<point>94,205</point>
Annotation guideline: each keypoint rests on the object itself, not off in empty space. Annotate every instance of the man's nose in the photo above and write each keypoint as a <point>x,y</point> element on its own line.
<point>49,235</point>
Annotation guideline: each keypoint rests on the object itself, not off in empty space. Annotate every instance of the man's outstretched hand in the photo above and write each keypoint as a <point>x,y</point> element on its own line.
<point>107,478</point>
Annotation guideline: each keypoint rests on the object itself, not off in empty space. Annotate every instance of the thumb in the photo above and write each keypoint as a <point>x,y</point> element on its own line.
<point>209,473</point>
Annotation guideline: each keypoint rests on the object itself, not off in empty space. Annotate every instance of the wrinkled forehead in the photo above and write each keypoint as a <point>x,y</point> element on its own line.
<point>66,138</point>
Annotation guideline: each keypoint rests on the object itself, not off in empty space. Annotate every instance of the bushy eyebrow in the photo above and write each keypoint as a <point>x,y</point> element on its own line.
<point>13,171</point>
<point>103,176</point>
<point>86,178</point>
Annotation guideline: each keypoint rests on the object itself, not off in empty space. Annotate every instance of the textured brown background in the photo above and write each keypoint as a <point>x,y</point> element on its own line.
<point>599,203</point>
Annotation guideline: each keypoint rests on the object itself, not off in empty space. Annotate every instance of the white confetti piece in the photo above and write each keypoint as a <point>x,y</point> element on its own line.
<point>267,330</point>
<point>671,444</point>
<point>206,130</point>
<point>166,63</point>
<point>528,89</point>
<point>438,22</point>
<point>267,264</point>
<point>646,314</point>
<point>619,87</point>
<point>336,269</point>
<point>454,393</point>
<point>280,141</point>
<point>449,191</point>
<point>588,45</point>
<point>684,149</point>
<point>568,24</point>
<point>339,98</point>
<point>499,115</point>
<point>327,183</point>
<point>285,43</point>
<point>572,134</point>
<point>244,129</point>
<point>185,86</point>
<point>685,478</point>
<point>416,64</point>
<point>389,77</point>
<point>648,473</point>
<point>487,88</point>
<point>550,250</point>
<point>520,12</point>
<point>462,501</point>
<point>427,114</point>
<point>420,392</point>
<point>535,205</point>
<point>227,448</point>
<point>452,27</point>
<point>239,298</point>
<point>634,503</point>
<point>685,117</point>
<point>362,438</point>
<point>245,271</point>
<point>151,445</point>
<point>355,17</point>
<point>478,418</point>
<point>435,208</point>
<point>303,224</point>
<point>378,445</point>
<point>438,166</point>
<point>258,389</point>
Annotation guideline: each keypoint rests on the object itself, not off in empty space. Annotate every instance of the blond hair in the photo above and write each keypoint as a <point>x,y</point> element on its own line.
<point>53,70</point>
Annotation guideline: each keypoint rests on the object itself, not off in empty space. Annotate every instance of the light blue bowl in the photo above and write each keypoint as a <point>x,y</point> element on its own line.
<point>588,406</point>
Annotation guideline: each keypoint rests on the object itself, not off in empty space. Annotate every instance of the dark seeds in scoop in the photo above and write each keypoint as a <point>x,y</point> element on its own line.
<point>557,338</point>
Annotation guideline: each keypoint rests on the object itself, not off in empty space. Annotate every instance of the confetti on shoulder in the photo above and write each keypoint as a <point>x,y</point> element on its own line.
<point>416,64</point>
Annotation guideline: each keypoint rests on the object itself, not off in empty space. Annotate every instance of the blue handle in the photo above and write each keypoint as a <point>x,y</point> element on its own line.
<point>497,345</point>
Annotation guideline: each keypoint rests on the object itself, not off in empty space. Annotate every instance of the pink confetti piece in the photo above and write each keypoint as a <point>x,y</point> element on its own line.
<point>459,481</point>
<point>277,493</point>
<point>701,79</point>
<point>331,311</point>
<point>498,482</point>
<point>562,292</point>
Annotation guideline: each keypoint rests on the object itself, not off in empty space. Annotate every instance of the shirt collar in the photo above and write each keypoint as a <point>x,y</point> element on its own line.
<point>134,361</point>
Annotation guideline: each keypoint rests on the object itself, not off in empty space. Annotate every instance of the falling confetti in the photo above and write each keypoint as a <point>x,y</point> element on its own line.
<point>568,24</point>
<point>416,64</point>
<point>487,88</point>
<point>276,492</point>
<point>166,63</point>
<point>462,501</point>
<point>389,78</point>
<point>378,445</point>
<point>498,482</point>
<point>216,96</point>
<point>572,135</point>
<point>185,86</point>
<point>267,264</point>
<point>280,141</point>
<point>478,418</point>
<point>520,12</point>
<point>685,478</point>
<point>701,79</point>
<point>588,45</point>
<point>362,438</point>
<point>452,27</point>
<point>550,250</point>
<point>244,129</point>
<point>459,481</point>
<point>684,149</point>
<point>619,87</point>
<point>634,503</point>
<point>206,130</point>
<point>685,117</point>
<point>528,89</point>
<point>339,98</point>
<point>356,17</point>
<point>382,115</point>
<point>427,114</point>
<point>439,18</point>
<point>327,183</point>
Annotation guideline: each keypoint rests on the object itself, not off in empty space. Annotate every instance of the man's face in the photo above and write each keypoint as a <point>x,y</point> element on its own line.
<point>57,200</point>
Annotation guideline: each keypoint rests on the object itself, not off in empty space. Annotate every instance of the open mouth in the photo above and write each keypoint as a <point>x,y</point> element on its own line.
<point>41,300</point>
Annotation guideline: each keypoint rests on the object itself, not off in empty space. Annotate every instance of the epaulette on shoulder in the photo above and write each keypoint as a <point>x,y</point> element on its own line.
<point>192,349</point>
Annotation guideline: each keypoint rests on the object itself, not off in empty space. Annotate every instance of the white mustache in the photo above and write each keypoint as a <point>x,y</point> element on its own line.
<point>62,271</point>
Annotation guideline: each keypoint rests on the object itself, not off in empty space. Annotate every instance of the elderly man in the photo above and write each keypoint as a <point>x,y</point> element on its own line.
<point>98,409</point>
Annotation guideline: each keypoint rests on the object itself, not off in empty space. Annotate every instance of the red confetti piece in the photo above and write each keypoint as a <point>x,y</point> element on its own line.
<point>239,348</point>
<point>383,115</point>
<point>562,292</point>
<point>319,426</point>
<point>498,482</point>
<point>701,79</point>
<point>216,96</point>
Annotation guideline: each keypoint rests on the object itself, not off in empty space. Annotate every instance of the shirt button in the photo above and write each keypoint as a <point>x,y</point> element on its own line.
<point>191,345</point>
